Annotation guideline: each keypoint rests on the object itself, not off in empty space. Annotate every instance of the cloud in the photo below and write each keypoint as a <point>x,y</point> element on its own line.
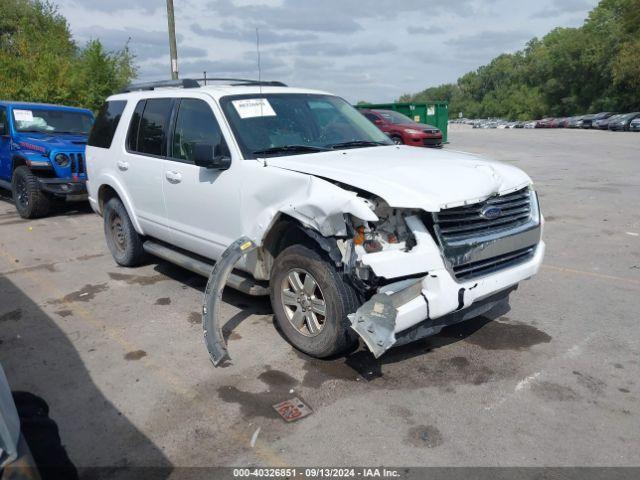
<point>498,41</point>
<point>425,30</point>
<point>115,5</point>
<point>331,49</point>
<point>563,7</point>
<point>231,32</point>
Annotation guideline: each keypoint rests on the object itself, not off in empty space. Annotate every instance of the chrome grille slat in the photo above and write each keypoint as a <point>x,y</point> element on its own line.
<point>509,213</point>
<point>464,228</point>
<point>484,267</point>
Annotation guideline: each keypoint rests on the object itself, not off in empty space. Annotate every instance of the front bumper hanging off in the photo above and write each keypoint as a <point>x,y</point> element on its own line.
<point>411,309</point>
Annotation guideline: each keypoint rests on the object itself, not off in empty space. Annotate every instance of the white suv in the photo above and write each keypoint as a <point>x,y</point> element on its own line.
<point>356,236</point>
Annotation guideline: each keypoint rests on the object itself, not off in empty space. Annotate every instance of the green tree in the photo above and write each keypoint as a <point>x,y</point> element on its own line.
<point>40,62</point>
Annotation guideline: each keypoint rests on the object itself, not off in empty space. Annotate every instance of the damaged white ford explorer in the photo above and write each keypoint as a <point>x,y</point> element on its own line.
<point>354,237</point>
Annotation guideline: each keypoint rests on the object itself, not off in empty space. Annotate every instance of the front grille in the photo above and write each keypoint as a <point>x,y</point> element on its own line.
<point>430,142</point>
<point>484,267</point>
<point>77,163</point>
<point>459,223</point>
<point>431,131</point>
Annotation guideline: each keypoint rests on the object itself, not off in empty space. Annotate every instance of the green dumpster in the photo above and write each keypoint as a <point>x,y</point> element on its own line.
<point>434,113</point>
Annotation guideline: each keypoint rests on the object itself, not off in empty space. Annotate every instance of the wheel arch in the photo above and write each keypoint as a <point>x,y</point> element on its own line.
<point>111,189</point>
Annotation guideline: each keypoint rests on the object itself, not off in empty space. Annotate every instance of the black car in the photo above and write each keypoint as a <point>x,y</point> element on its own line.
<point>622,123</point>
<point>586,121</point>
<point>634,126</point>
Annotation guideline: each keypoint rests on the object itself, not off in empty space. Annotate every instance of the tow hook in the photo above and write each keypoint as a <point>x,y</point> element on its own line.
<point>212,329</point>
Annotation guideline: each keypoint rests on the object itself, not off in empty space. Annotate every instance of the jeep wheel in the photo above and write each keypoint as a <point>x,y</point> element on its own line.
<point>30,201</point>
<point>123,241</point>
<point>311,301</point>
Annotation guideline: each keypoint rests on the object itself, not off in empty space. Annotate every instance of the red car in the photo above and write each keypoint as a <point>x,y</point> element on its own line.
<point>403,130</point>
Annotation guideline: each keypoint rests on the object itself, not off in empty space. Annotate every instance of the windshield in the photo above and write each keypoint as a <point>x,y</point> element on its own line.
<point>289,123</point>
<point>51,121</point>
<point>395,117</point>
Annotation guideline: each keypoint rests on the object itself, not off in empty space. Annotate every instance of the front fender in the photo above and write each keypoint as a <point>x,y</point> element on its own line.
<point>314,202</point>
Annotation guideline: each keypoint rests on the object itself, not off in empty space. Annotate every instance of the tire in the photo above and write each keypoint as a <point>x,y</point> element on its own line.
<point>30,201</point>
<point>123,241</point>
<point>319,336</point>
<point>397,140</point>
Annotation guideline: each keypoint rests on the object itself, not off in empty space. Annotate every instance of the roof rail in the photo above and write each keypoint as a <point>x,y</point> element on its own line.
<point>184,83</point>
<point>242,81</point>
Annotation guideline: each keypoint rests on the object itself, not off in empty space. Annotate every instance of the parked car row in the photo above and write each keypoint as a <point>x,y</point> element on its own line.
<point>600,121</point>
<point>352,237</point>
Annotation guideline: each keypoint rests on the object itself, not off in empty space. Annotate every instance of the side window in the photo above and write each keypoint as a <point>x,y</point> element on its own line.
<point>4,126</point>
<point>134,127</point>
<point>195,123</point>
<point>106,123</point>
<point>149,139</point>
<point>371,117</point>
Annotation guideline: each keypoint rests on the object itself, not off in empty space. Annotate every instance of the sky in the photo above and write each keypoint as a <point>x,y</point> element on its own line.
<point>372,50</point>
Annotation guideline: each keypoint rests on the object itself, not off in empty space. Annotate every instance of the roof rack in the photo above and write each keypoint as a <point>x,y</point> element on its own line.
<point>184,83</point>
<point>242,81</point>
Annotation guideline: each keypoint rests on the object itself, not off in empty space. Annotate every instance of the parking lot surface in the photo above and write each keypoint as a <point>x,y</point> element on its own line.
<point>118,353</point>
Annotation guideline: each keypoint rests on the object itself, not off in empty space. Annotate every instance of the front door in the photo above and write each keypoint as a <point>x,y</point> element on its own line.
<point>202,204</point>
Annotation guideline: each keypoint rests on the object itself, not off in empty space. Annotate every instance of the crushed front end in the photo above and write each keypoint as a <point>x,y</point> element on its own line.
<point>426,270</point>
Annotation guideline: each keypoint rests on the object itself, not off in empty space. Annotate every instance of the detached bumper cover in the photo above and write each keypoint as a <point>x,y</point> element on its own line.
<point>64,187</point>
<point>433,297</point>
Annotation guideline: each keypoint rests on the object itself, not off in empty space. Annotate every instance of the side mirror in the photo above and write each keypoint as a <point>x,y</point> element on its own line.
<point>378,122</point>
<point>207,156</point>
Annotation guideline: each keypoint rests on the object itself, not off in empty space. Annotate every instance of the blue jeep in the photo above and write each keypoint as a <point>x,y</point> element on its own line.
<point>42,154</point>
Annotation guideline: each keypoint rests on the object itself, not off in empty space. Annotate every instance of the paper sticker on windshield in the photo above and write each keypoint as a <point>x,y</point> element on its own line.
<point>254,107</point>
<point>23,115</point>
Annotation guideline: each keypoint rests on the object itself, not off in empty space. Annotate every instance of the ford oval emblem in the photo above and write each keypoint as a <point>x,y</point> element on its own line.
<point>490,212</point>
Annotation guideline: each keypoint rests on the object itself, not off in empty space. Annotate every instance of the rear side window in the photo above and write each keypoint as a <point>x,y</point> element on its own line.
<point>106,124</point>
<point>148,130</point>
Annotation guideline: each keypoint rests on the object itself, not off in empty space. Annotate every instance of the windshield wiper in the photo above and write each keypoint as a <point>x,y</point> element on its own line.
<point>356,144</point>
<point>290,149</point>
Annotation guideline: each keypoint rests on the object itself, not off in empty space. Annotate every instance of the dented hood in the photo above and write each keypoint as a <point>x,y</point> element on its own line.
<point>410,177</point>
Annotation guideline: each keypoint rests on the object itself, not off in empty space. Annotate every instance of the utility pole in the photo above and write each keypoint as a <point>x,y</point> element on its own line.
<point>173,49</point>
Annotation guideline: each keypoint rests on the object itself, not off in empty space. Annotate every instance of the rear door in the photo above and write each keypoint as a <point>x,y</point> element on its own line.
<point>141,168</point>
<point>202,203</point>
<point>5,146</point>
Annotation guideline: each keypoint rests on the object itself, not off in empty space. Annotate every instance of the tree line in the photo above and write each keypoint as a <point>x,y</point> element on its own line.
<point>570,71</point>
<point>40,61</point>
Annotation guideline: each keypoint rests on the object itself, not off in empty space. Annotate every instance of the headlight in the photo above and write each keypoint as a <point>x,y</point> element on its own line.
<point>62,160</point>
<point>411,131</point>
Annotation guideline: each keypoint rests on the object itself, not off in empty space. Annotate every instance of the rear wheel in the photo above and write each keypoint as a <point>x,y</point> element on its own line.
<point>123,241</point>
<point>311,302</point>
<point>30,201</point>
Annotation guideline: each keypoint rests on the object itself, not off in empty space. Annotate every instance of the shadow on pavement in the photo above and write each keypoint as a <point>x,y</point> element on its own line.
<point>39,358</point>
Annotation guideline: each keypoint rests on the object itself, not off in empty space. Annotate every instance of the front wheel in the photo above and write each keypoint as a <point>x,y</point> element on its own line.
<point>123,241</point>
<point>311,302</point>
<point>30,201</point>
<point>397,140</point>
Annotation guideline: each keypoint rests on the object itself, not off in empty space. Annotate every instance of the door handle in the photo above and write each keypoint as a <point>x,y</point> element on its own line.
<point>123,165</point>
<point>173,177</point>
